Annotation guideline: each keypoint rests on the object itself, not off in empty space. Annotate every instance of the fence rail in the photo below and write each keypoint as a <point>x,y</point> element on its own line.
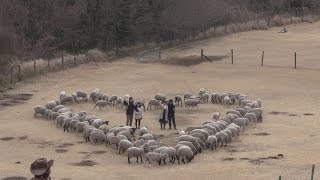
<point>151,55</point>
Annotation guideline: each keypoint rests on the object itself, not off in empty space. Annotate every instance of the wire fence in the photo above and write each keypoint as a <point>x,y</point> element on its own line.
<point>268,58</point>
<point>151,55</point>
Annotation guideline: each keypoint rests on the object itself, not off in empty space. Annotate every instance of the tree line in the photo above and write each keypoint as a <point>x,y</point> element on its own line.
<point>42,28</point>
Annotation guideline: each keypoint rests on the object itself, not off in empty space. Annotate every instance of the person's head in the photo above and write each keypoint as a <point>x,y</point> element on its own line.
<point>41,168</point>
<point>130,100</point>
<point>170,101</point>
<point>164,102</point>
<point>138,104</point>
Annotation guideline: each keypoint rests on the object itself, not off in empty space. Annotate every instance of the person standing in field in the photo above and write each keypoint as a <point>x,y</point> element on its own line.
<point>129,112</point>
<point>171,114</point>
<point>163,116</point>
<point>138,115</point>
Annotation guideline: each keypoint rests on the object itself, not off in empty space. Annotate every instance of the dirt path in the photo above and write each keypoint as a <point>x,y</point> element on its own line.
<point>287,95</point>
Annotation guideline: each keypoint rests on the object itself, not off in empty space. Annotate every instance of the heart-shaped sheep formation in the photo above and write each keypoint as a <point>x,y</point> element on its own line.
<point>191,140</point>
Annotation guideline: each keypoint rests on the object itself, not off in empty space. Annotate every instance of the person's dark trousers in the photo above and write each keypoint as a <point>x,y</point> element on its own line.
<point>129,119</point>
<point>173,119</point>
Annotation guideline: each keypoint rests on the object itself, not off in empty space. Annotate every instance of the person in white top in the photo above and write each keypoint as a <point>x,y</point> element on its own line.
<point>138,114</point>
<point>163,116</point>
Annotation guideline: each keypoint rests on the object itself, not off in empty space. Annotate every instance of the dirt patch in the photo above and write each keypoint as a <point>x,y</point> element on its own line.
<point>228,159</point>
<point>85,163</point>
<point>18,162</point>
<point>277,113</point>
<point>14,178</point>
<point>190,60</point>
<point>292,114</point>
<point>81,142</point>
<point>23,138</point>
<point>64,145</point>
<point>83,152</point>
<point>7,138</point>
<point>258,161</point>
<point>61,150</point>
<point>65,178</point>
<point>14,99</point>
<point>261,134</point>
<point>98,152</point>
<point>308,114</point>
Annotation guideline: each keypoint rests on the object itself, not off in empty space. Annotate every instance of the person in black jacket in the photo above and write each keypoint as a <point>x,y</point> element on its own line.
<point>171,114</point>
<point>129,112</point>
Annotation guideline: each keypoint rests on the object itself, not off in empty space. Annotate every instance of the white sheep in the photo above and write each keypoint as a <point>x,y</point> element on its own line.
<point>201,131</point>
<point>185,153</point>
<point>98,122</point>
<point>182,132</point>
<point>51,104</point>
<point>113,100</point>
<point>67,99</point>
<point>124,145</point>
<point>153,102</point>
<point>87,129</point>
<point>79,126</point>
<point>251,116</point>
<point>135,152</point>
<point>242,122</point>
<point>212,141</point>
<point>143,131</point>
<point>258,112</point>
<point>222,138</point>
<point>82,95</point>
<point>63,94</point>
<point>57,108</point>
<point>232,111</point>
<point>119,101</point>
<point>104,128</point>
<point>202,91</point>
<point>189,144</point>
<point>156,157</point>
<point>172,153</point>
<point>102,104</point>
<point>139,143</point>
<point>205,98</point>
<point>226,101</point>
<point>97,136</point>
<point>66,124</point>
<point>147,137</point>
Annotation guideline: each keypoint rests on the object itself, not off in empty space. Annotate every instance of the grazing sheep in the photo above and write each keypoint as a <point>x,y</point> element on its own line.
<point>82,95</point>
<point>222,138</point>
<point>182,132</point>
<point>95,95</point>
<point>156,157</point>
<point>127,133</point>
<point>61,118</point>
<point>201,131</point>
<point>119,101</point>
<point>66,124</point>
<point>57,108</point>
<point>51,104</point>
<point>39,110</point>
<point>191,103</point>
<point>97,136</point>
<point>200,136</point>
<point>150,143</point>
<point>47,113</point>
<point>105,97</point>
<point>191,139</point>
<point>87,131</point>
<point>191,128</point>
<point>242,111</point>
<point>67,99</point>
<point>202,91</point>
<point>98,122</point>
<point>116,139</point>
<point>102,104</point>
<point>251,116</point>
<point>258,112</point>
<point>135,152</point>
<point>216,116</point>
<point>178,99</point>
<point>243,103</point>
<point>75,97</point>
<point>63,94</point>
<point>234,112</point>
<point>226,101</point>
<point>139,143</point>
<point>237,127</point>
<point>124,145</point>
<point>160,97</point>
<point>215,98</point>
<point>143,131</point>
<point>187,96</point>
<point>259,101</point>
<point>104,128</point>
<point>147,137</point>
<point>205,98</point>
<point>212,140</point>
<point>113,100</point>
<point>79,126</point>
<point>153,102</point>
<point>73,124</point>
<point>172,153</point>
<point>233,130</point>
<point>229,133</point>
<point>242,122</point>
<point>159,149</point>
<point>185,153</point>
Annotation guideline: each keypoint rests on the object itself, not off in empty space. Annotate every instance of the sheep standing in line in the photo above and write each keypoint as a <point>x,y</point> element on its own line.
<point>185,153</point>
<point>160,97</point>
<point>119,101</point>
<point>205,98</point>
<point>63,94</point>
<point>202,91</point>
<point>98,122</point>
<point>212,141</point>
<point>178,100</point>
<point>51,104</point>
<point>124,145</point>
<point>172,153</point>
<point>187,96</point>
<point>143,131</point>
<point>135,152</point>
<point>97,136</point>
<point>226,101</point>
<point>156,157</point>
<point>67,99</point>
<point>113,100</point>
<point>82,95</point>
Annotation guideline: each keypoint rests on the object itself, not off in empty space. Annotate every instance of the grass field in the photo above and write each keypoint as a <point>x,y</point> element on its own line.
<point>287,95</point>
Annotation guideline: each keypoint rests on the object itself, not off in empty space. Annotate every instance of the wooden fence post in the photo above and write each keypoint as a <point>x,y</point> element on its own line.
<point>279,177</point>
<point>34,66</point>
<point>160,53</point>
<point>62,62</point>
<point>86,56</point>
<point>11,74</point>
<point>74,59</point>
<point>312,173</point>
<point>201,53</point>
<point>48,63</point>
<point>19,73</point>
<point>295,60</point>
<point>231,56</point>
<point>262,58</point>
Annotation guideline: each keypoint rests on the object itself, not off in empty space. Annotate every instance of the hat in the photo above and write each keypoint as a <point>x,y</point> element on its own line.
<point>40,166</point>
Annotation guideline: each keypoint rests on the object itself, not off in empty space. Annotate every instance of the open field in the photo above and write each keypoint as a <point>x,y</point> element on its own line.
<point>287,95</point>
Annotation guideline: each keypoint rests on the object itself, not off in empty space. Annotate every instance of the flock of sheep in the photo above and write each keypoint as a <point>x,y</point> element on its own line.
<point>191,140</point>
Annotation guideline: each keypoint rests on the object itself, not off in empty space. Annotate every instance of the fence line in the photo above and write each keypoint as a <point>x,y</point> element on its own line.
<point>150,55</point>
